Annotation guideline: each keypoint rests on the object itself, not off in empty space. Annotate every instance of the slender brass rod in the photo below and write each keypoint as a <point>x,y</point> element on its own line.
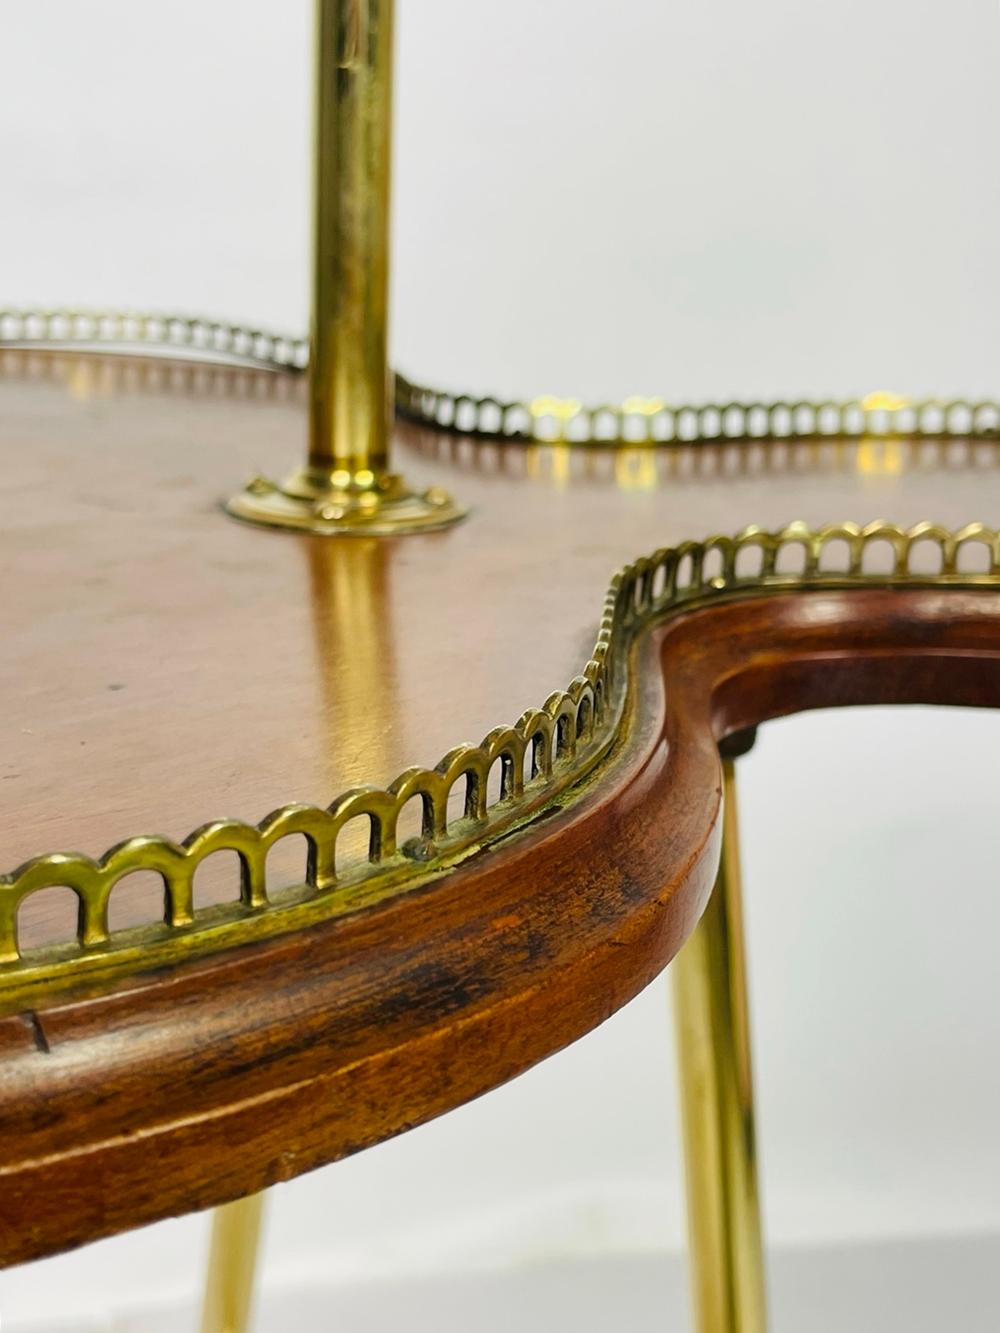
<point>713,1041</point>
<point>350,401</point>
<point>345,485</point>
<point>231,1263</point>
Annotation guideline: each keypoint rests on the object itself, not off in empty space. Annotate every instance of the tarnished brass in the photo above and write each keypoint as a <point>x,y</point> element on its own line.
<point>713,1042</point>
<point>561,742</point>
<point>346,485</point>
<point>634,423</point>
<point>232,1262</point>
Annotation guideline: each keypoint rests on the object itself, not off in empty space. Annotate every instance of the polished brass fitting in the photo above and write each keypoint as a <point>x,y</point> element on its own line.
<point>346,485</point>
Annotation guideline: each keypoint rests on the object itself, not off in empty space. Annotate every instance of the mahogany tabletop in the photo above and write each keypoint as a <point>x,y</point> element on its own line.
<point>164,666</point>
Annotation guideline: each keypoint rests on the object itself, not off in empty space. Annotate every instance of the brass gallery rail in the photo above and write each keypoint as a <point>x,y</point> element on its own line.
<point>547,752</point>
<point>637,420</point>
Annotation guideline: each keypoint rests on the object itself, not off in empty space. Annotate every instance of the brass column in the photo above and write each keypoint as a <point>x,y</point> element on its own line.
<point>346,484</point>
<point>713,1041</point>
<point>350,398</point>
<point>231,1262</point>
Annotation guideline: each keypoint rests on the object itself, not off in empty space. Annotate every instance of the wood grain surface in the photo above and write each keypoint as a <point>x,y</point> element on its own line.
<point>163,665</point>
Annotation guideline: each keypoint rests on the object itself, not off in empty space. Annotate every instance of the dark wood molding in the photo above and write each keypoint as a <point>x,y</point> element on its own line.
<point>201,1083</point>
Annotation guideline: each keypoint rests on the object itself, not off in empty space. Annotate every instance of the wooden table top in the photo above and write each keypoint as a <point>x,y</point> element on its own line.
<point>163,665</point>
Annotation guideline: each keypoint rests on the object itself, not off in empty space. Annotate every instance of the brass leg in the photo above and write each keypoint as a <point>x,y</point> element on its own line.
<point>713,1041</point>
<point>231,1262</point>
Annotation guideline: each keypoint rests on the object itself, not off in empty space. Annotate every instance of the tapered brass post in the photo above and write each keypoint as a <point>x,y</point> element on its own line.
<point>346,484</point>
<point>232,1263</point>
<point>713,1041</point>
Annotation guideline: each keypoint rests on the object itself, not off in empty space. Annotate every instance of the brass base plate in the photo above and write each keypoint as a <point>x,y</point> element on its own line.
<point>387,508</point>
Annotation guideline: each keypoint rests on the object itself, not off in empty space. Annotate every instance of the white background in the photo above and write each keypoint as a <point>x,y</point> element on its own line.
<point>595,199</point>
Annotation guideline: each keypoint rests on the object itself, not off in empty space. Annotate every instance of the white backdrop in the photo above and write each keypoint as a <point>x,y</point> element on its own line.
<point>696,200</point>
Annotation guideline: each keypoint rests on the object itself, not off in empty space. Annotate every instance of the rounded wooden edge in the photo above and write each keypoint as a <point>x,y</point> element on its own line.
<point>206,1082</point>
